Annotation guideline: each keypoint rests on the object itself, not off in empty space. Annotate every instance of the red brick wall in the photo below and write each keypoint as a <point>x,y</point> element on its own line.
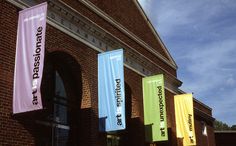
<point>57,41</point>
<point>202,108</point>
<point>21,130</point>
<point>225,138</point>
<point>128,15</point>
<point>87,59</point>
<point>201,139</point>
<point>171,116</point>
<point>134,135</point>
<point>114,31</point>
<point>12,132</point>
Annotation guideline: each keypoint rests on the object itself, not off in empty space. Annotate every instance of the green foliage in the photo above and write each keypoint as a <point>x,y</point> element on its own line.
<point>220,126</point>
<point>233,127</point>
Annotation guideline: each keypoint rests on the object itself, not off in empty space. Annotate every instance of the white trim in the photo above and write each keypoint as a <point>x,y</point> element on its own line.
<point>120,41</point>
<point>154,32</point>
<point>99,12</point>
<point>56,25</point>
<point>97,49</point>
<point>203,114</point>
<point>66,31</point>
<point>225,131</point>
<point>18,4</point>
<point>61,126</point>
<point>196,100</point>
<point>199,102</point>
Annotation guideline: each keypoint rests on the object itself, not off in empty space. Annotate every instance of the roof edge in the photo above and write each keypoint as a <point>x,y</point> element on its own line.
<point>155,32</point>
<point>196,100</point>
<point>203,115</point>
<point>226,131</point>
<point>123,29</point>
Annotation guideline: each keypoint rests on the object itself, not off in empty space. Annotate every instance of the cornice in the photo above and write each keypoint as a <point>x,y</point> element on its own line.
<point>86,31</point>
<point>106,17</point>
<point>226,132</point>
<point>154,32</point>
<point>195,100</point>
<point>203,115</point>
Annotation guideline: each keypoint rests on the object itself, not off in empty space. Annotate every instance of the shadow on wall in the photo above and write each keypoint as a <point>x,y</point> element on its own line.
<point>74,128</point>
<point>162,143</point>
<point>62,120</point>
<point>134,133</point>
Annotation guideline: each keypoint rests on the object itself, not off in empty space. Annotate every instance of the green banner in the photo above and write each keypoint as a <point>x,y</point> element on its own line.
<point>155,120</point>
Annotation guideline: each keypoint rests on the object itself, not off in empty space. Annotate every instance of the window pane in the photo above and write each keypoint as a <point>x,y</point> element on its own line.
<point>60,89</point>
<point>61,137</point>
<point>60,114</point>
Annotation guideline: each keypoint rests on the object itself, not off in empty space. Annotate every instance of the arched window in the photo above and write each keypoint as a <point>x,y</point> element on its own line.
<point>61,94</point>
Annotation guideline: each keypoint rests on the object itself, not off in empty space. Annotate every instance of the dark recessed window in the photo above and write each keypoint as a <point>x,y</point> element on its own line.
<point>57,124</point>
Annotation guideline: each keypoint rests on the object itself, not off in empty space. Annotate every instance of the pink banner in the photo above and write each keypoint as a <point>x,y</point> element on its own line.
<point>29,59</point>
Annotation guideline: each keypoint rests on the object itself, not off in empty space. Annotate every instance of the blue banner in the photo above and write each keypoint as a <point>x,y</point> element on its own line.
<point>111,95</point>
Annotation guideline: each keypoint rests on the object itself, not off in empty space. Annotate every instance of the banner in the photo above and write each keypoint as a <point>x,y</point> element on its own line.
<point>29,59</point>
<point>185,118</point>
<point>111,95</point>
<point>155,120</point>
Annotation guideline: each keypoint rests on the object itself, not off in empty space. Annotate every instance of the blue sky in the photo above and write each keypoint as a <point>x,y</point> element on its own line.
<point>201,37</point>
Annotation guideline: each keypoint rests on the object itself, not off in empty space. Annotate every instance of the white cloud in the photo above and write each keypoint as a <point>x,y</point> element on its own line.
<point>201,37</point>
<point>230,81</point>
<point>208,65</point>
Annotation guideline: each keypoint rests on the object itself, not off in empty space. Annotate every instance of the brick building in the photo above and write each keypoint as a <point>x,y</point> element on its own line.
<point>223,138</point>
<point>76,32</point>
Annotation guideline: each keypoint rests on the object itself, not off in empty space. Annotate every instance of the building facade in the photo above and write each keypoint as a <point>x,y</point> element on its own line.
<point>76,32</point>
<point>225,138</point>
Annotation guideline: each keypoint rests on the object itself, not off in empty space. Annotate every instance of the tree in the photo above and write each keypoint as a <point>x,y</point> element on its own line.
<point>233,127</point>
<point>220,126</point>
